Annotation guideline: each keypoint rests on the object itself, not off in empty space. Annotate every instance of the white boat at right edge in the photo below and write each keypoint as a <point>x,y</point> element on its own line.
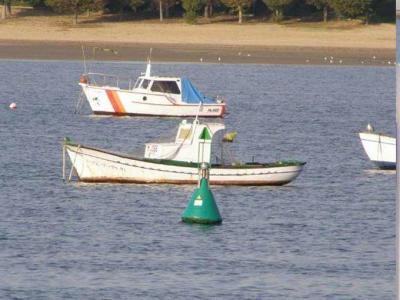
<point>380,148</point>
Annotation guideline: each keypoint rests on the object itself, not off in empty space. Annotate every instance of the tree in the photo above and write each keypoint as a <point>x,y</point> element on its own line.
<point>239,6</point>
<point>37,3</point>
<point>191,8</point>
<point>354,8</point>
<point>278,6</point>
<point>3,11</point>
<point>321,4</point>
<point>119,6</point>
<point>135,4</point>
<point>385,10</point>
<point>6,11</point>
<point>74,6</point>
<point>208,8</point>
<point>116,6</point>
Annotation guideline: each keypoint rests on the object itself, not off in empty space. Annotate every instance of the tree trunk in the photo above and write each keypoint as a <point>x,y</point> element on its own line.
<point>161,11</point>
<point>367,19</point>
<point>167,9</point>
<point>3,11</point>
<point>206,11</point>
<point>278,15</point>
<point>75,18</point>
<point>210,7</point>
<point>8,8</point>
<point>240,9</point>
<point>326,13</point>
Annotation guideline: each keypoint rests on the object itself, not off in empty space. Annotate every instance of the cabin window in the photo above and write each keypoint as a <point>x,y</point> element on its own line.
<point>137,83</point>
<point>185,133</point>
<point>145,83</point>
<point>165,87</point>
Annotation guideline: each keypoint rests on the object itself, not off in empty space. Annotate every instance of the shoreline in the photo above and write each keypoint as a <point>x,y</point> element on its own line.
<point>206,53</point>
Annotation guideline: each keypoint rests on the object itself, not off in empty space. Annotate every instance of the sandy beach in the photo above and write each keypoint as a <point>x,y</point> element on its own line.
<point>53,37</point>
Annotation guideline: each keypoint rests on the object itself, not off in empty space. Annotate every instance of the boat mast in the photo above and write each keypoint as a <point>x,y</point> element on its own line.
<point>148,68</point>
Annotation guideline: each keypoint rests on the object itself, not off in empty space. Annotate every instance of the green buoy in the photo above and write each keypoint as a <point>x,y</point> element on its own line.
<point>202,208</point>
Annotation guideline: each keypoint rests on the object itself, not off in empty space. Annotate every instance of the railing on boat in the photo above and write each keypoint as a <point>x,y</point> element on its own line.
<point>101,79</point>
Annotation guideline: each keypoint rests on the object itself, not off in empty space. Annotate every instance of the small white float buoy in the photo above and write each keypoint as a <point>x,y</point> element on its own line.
<point>13,105</point>
<point>248,54</point>
<point>325,58</point>
<point>362,62</point>
<point>331,57</point>
<point>331,61</point>
<point>370,128</point>
<point>389,62</point>
<point>219,58</point>
<point>374,57</point>
<point>307,60</point>
<point>240,53</point>
<point>201,59</point>
<point>340,61</point>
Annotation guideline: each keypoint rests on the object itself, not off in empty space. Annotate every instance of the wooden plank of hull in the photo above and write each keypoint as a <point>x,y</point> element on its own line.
<point>93,165</point>
<point>112,101</point>
<point>179,182</point>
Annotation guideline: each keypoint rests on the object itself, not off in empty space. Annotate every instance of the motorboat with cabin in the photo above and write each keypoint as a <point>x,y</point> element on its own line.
<point>176,162</point>
<point>149,96</point>
<point>380,148</point>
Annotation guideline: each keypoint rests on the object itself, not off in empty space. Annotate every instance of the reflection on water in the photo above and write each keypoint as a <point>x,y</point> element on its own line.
<point>380,172</point>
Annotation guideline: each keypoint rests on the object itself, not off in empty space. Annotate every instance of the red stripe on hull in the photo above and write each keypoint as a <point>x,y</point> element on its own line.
<point>115,102</point>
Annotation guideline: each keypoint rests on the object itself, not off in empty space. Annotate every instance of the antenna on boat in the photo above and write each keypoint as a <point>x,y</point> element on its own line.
<point>84,59</point>
<point>196,120</point>
<point>148,68</point>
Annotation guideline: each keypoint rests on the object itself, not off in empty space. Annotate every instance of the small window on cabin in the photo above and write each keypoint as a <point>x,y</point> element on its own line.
<point>169,87</point>
<point>184,133</point>
<point>145,83</point>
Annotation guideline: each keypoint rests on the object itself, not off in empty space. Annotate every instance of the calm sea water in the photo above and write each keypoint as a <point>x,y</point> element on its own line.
<point>328,235</point>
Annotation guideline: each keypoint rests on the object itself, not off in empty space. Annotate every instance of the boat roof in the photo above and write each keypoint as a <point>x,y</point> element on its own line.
<point>152,77</point>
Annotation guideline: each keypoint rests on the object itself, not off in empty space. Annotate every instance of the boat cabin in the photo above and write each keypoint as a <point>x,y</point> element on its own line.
<point>170,85</point>
<point>192,143</point>
<point>180,89</point>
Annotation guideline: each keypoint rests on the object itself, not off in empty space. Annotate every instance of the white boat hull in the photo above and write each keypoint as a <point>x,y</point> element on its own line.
<point>94,165</point>
<point>114,101</point>
<point>380,148</point>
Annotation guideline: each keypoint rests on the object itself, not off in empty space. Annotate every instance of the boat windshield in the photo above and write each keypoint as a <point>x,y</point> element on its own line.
<point>145,83</point>
<point>170,87</point>
<point>137,83</point>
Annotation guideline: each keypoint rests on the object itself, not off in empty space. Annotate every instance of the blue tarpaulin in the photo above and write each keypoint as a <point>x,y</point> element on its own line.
<point>192,95</point>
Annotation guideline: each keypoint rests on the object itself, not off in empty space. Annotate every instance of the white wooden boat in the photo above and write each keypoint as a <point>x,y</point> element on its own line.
<point>380,148</point>
<point>149,96</point>
<point>176,162</point>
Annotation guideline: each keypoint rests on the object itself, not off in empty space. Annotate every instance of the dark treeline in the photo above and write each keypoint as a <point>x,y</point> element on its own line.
<point>191,10</point>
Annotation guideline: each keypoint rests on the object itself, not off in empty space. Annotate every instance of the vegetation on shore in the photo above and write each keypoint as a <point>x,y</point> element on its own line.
<point>274,10</point>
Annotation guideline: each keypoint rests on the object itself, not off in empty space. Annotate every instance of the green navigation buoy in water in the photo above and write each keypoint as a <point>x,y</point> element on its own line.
<point>202,208</point>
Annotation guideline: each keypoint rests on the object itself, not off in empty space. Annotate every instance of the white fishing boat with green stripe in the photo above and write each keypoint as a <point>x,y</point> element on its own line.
<point>176,162</point>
